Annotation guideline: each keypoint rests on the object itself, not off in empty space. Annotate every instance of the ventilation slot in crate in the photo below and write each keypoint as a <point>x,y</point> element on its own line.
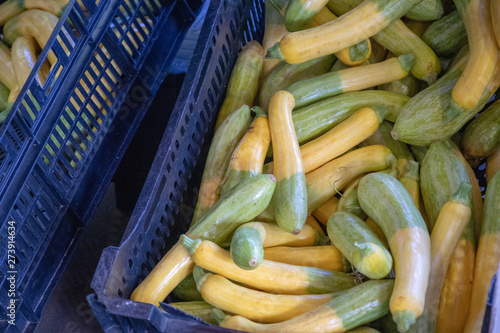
<point>78,129</point>
<point>5,165</point>
<point>134,23</point>
<point>32,214</point>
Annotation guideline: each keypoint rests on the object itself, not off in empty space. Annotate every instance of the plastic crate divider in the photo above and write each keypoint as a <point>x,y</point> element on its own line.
<point>79,18</point>
<point>90,7</point>
<point>65,43</point>
<point>107,323</point>
<point>140,27</point>
<point>30,108</point>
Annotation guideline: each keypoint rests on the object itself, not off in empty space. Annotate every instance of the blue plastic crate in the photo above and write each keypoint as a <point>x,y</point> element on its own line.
<point>62,142</point>
<point>167,201</point>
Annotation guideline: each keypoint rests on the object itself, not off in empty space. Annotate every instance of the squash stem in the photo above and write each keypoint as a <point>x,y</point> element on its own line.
<point>404,319</point>
<point>190,244</point>
<point>381,112</point>
<point>218,315</point>
<point>274,52</point>
<point>321,239</point>
<point>413,171</point>
<point>392,162</point>
<point>359,51</point>
<point>259,112</point>
<point>453,111</point>
<point>463,194</point>
<point>200,276</point>
<point>406,61</point>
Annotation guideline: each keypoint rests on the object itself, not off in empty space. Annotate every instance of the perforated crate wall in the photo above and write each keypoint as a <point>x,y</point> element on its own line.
<point>62,142</point>
<point>30,110</point>
<point>168,198</point>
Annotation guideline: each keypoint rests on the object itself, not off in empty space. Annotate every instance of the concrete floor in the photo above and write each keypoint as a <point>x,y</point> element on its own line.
<point>67,310</point>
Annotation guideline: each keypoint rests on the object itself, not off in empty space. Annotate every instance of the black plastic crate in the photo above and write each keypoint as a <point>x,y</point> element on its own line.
<point>63,140</point>
<point>166,204</point>
<point>167,201</point>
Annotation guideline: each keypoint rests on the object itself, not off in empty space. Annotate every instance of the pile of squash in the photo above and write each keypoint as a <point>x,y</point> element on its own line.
<point>364,120</point>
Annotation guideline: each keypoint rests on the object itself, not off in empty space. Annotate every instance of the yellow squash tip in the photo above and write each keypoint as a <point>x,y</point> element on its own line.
<point>375,259</point>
